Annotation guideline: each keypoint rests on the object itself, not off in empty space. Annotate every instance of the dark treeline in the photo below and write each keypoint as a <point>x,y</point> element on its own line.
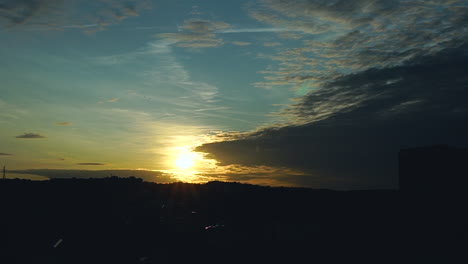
<point>126,220</point>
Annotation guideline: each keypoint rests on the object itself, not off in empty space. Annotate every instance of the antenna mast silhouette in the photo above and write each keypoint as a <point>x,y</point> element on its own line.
<point>4,172</point>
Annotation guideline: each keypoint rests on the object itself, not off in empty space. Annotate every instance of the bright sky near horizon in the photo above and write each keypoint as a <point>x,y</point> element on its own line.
<point>138,85</point>
<point>118,91</point>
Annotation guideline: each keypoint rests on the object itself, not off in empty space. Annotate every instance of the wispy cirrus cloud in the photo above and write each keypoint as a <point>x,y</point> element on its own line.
<point>30,136</point>
<point>168,71</point>
<point>113,100</point>
<point>67,14</point>
<point>203,26</point>
<point>272,44</point>
<point>359,35</point>
<point>10,111</point>
<point>290,35</point>
<point>193,40</point>
<point>20,11</point>
<point>241,43</point>
<point>251,30</point>
<point>296,25</point>
<point>151,49</point>
<point>197,34</point>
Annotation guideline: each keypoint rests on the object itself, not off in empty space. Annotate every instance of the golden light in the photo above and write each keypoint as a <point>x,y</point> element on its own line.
<point>189,166</point>
<point>184,161</point>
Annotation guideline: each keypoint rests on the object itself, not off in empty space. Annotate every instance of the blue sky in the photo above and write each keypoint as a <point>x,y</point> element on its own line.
<point>124,83</point>
<point>116,84</point>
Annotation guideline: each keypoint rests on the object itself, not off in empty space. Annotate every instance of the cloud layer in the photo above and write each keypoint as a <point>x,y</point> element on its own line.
<point>30,136</point>
<point>197,34</point>
<point>63,123</point>
<point>348,133</point>
<point>68,14</point>
<point>20,11</point>
<point>358,35</point>
<point>241,43</point>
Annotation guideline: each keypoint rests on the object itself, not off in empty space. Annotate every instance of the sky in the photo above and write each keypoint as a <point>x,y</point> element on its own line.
<point>309,93</point>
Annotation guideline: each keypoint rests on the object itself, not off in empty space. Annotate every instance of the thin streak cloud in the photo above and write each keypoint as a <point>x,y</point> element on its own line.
<point>63,123</point>
<point>30,136</point>
<point>112,100</point>
<point>253,30</point>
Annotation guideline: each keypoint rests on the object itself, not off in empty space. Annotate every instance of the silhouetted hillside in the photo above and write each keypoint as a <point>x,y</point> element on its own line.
<point>439,168</point>
<point>126,220</point>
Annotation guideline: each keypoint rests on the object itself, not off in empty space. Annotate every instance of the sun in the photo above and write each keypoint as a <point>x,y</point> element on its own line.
<point>184,161</point>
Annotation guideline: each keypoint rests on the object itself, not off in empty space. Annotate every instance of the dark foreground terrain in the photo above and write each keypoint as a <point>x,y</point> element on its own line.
<point>115,220</point>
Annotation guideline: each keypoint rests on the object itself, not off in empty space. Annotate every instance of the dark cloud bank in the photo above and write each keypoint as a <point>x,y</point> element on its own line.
<point>347,134</point>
